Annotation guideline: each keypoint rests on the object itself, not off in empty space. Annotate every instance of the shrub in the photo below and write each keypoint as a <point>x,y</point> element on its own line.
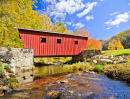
<point>75,67</point>
<point>2,67</point>
<point>98,68</point>
<point>12,82</point>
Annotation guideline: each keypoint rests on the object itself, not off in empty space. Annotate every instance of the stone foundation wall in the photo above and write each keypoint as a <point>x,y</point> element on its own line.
<point>85,54</point>
<point>20,62</point>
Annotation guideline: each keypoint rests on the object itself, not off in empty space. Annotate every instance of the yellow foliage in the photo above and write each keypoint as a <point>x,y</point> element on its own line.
<point>111,46</point>
<point>119,45</point>
<point>114,44</point>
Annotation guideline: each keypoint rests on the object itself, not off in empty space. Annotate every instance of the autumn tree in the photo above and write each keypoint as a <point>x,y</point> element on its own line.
<point>119,45</point>
<point>19,13</point>
<point>93,44</point>
<point>83,32</point>
<point>111,46</point>
<point>15,13</point>
<point>60,27</point>
<point>115,44</point>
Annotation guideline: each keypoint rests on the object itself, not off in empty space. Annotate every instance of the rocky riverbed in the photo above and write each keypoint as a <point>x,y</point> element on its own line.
<point>73,86</point>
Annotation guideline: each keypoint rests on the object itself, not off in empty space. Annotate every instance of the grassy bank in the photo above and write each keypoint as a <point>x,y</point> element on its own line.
<point>85,66</point>
<point>114,71</point>
<point>119,71</point>
<point>116,52</point>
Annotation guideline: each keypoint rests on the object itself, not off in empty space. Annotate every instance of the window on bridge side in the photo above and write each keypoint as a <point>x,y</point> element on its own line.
<point>58,40</point>
<point>43,40</point>
<point>76,42</point>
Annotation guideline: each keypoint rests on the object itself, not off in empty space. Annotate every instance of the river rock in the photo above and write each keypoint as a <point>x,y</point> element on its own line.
<point>85,71</point>
<point>95,57</point>
<point>64,81</point>
<point>95,61</point>
<point>124,61</point>
<point>53,95</point>
<point>104,61</point>
<point>6,76</point>
<point>7,90</point>
<point>111,57</point>
<point>1,91</point>
<point>103,57</point>
<point>119,58</point>
<point>91,72</point>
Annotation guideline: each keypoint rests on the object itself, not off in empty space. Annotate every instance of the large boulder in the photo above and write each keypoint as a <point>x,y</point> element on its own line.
<point>119,59</point>
<point>104,61</point>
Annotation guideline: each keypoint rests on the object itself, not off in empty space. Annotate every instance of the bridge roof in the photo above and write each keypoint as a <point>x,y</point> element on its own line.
<point>49,32</point>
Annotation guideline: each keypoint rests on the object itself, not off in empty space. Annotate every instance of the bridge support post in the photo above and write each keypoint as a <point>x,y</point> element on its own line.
<point>85,54</point>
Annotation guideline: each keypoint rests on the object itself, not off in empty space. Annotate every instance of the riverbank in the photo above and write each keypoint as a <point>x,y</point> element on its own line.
<point>118,69</point>
<point>72,86</point>
<point>45,76</point>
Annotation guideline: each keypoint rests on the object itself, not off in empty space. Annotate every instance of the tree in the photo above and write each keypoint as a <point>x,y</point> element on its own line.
<point>83,32</point>
<point>93,44</point>
<point>76,31</point>
<point>119,45</point>
<point>15,13</point>
<point>111,46</point>
<point>60,27</point>
<point>114,44</point>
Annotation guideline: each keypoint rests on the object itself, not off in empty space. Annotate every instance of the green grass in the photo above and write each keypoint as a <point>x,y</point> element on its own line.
<point>116,52</point>
<point>79,67</point>
<point>98,68</point>
<point>117,70</point>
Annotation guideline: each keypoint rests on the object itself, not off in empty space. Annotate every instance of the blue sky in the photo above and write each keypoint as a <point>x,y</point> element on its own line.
<point>102,18</point>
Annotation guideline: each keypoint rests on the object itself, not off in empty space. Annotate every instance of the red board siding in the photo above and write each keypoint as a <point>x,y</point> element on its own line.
<point>32,39</point>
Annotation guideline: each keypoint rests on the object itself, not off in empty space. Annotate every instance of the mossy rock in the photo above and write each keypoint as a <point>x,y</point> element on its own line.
<point>54,95</point>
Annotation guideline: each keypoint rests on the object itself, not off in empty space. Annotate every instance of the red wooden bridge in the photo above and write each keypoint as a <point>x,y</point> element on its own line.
<point>49,44</point>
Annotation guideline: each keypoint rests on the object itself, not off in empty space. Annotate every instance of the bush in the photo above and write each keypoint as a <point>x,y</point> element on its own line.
<point>98,68</point>
<point>2,67</point>
<point>12,82</point>
<point>75,67</point>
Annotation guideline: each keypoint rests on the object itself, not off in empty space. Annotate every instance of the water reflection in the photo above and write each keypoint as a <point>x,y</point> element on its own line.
<point>45,71</point>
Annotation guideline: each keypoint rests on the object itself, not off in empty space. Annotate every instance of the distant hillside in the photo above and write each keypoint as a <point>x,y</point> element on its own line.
<point>123,37</point>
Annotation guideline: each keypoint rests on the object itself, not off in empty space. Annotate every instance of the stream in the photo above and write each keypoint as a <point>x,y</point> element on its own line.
<point>76,85</point>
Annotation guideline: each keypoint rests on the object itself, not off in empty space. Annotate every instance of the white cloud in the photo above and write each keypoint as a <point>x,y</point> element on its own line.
<point>69,6</point>
<point>48,0</point>
<point>120,18</point>
<point>89,7</point>
<point>69,23</point>
<point>101,0</point>
<point>114,13</point>
<point>129,11</point>
<point>108,28</point>
<point>59,9</point>
<point>129,4</point>
<point>79,25</point>
<point>89,17</point>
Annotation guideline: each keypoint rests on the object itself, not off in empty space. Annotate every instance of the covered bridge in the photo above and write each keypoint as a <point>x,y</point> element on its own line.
<point>49,44</point>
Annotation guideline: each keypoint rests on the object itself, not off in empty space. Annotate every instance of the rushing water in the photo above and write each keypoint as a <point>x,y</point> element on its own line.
<point>79,86</point>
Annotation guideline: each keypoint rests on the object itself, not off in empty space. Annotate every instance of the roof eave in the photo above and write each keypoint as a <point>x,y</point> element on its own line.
<point>48,31</point>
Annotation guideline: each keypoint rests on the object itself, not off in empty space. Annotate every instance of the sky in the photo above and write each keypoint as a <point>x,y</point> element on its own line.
<point>101,18</point>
